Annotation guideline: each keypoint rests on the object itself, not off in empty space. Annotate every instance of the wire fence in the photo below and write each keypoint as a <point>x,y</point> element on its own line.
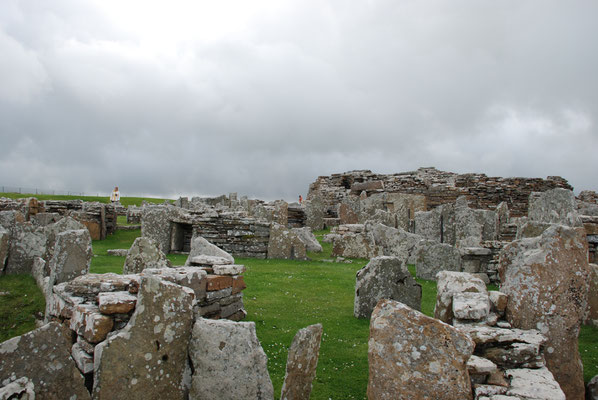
<point>28,190</point>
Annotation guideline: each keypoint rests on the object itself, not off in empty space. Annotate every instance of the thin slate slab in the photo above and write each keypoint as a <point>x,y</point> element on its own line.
<point>302,363</point>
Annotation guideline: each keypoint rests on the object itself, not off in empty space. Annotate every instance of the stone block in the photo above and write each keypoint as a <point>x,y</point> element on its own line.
<point>87,321</point>
<point>218,282</point>
<point>471,306</point>
<point>144,253</point>
<point>302,362</point>
<point>116,302</point>
<point>229,269</point>
<point>449,284</point>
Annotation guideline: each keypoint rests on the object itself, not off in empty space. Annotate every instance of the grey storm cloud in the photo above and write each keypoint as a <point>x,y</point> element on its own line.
<point>186,98</point>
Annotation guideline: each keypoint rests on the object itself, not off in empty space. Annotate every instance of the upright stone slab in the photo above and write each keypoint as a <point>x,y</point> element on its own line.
<point>302,363</point>
<point>546,279</point>
<point>72,256</point>
<point>4,246</point>
<point>42,356</point>
<point>144,253</point>
<point>156,225</point>
<point>308,238</point>
<point>27,243</point>
<point>285,244</point>
<point>395,241</point>
<point>385,278</point>
<point>412,356</point>
<point>315,212</point>
<point>228,362</point>
<point>148,357</point>
<point>591,316</point>
<point>555,206</point>
<point>201,247</point>
<point>435,257</point>
<point>52,230</point>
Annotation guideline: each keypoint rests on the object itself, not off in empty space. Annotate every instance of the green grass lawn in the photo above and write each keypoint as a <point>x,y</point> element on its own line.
<point>282,296</point>
<point>125,201</point>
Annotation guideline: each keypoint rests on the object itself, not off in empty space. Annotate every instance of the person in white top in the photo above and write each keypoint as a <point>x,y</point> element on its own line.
<point>115,196</point>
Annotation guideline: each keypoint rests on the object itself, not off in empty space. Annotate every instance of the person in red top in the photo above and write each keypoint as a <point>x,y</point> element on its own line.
<point>300,199</point>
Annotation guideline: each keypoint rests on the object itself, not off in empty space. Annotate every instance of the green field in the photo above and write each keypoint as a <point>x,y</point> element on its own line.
<point>282,296</point>
<point>125,201</point>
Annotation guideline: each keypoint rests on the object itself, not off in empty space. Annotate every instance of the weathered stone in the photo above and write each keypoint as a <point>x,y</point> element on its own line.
<point>285,244</point>
<point>556,206</point>
<point>83,359</point>
<point>53,230</point>
<point>218,282</point>
<point>229,269</point>
<point>356,245</point>
<point>412,356</point>
<point>150,354</point>
<point>116,302</point>
<point>156,225</point>
<point>385,278</point>
<point>117,252</point>
<point>346,214</point>
<point>435,257</point>
<point>208,260</point>
<point>144,253</point>
<point>498,301</point>
<point>88,322</point>
<point>307,237</point>
<point>27,242</point>
<point>200,246</point>
<point>546,279</point>
<point>480,366</point>
<point>22,389</point>
<point>191,277</point>
<point>301,363</point>
<point>72,256</point>
<point>450,283</point>
<point>228,362</point>
<point>395,242</point>
<point>536,384</point>
<point>531,229</point>
<point>471,306</point>
<point>4,246</point>
<point>43,357</point>
<point>592,310</point>
<point>238,284</point>
<point>315,211</point>
<point>90,285</point>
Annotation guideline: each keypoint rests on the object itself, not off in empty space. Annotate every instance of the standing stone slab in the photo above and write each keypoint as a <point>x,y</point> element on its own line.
<point>308,238</point>
<point>72,256</point>
<point>148,357</point>
<point>435,257</point>
<point>28,242</point>
<point>546,279</point>
<point>555,206</point>
<point>228,361</point>
<point>284,243</point>
<point>4,246</point>
<point>201,247</point>
<point>315,212</point>
<point>302,363</point>
<point>591,316</point>
<point>43,357</point>
<point>156,224</point>
<point>385,278</point>
<point>144,253</point>
<point>412,356</point>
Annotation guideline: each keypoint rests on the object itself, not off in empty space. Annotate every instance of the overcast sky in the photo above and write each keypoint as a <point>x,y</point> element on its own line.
<point>260,97</point>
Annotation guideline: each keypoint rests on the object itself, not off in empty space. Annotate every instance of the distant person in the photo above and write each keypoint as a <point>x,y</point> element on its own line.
<point>300,199</point>
<point>115,196</point>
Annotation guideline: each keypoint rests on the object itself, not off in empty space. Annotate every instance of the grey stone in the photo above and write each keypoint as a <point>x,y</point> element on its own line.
<point>395,241</point>
<point>190,277</point>
<point>356,245</point>
<point>285,244</point>
<point>53,230</point>
<point>471,306</point>
<point>4,246</point>
<point>42,356</point>
<point>435,257</point>
<point>555,206</point>
<point>531,229</point>
<point>118,252</point>
<point>116,302</point>
<point>315,212</point>
<point>156,224</point>
<point>302,362</point>
<point>27,242</point>
<point>83,359</point>
<point>208,260</point>
<point>536,384</point>
<point>144,253</point>
<point>592,309</point>
<point>201,247</point>
<point>385,278</point>
<point>228,362</point>
<point>148,357</point>
<point>89,322</point>
<point>72,256</point>
<point>546,279</point>
<point>307,237</point>
<point>229,269</point>
<point>412,356</point>
<point>22,389</point>
<point>451,283</point>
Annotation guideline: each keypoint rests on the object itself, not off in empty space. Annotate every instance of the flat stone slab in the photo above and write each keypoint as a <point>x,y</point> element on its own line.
<point>229,269</point>
<point>116,302</point>
<point>471,306</point>
<point>537,384</point>
<point>42,356</point>
<point>209,260</point>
